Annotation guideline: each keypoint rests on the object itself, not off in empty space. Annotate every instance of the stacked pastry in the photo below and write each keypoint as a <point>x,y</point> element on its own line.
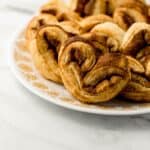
<point>98,49</point>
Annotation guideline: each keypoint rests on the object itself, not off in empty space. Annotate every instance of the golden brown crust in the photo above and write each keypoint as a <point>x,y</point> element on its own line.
<point>54,7</point>
<point>89,22</point>
<point>90,77</point>
<point>136,38</point>
<point>90,52</point>
<point>125,17</point>
<point>37,22</point>
<point>144,57</point>
<point>88,7</point>
<point>60,10</point>
<point>136,43</point>
<point>113,35</point>
<point>112,5</point>
<point>138,89</point>
<point>45,49</point>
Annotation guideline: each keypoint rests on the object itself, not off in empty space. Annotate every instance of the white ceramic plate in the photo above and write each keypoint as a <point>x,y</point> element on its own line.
<point>23,68</point>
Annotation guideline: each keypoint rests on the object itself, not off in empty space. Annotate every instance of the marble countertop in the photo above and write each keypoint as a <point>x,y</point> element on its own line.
<point>29,123</point>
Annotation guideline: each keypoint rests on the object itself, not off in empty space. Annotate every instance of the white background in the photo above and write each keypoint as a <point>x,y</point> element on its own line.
<point>29,123</point>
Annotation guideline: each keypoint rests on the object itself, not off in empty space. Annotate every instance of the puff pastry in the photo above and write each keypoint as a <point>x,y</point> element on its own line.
<point>90,77</point>
<point>136,38</point>
<point>112,5</point>
<point>89,22</point>
<point>98,49</point>
<point>60,10</point>
<point>138,88</point>
<point>136,43</point>
<point>53,7</point>
<point>111,34</point>
<point>46,46</point>
<point>88,7</point>
<point>37,22</point>
<point>125,17</point>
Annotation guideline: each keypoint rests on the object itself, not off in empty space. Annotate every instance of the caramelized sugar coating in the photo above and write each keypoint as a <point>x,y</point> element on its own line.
<point>89,22</point>
<point>37,22</point>
<point>125,17</point>
<point>112,5</point>
<point>60,11</point>
<point>88,7</point>
<point>136,44</point>
<point>136,38</point>
<point>90,76</point>
<point>95,56</point>
<point>138,88</point>
<point>111,34</point>
<point>46,46</point>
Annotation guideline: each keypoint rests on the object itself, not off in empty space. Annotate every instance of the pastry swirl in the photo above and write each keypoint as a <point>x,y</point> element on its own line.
<point>88,7</point>
<point>89,22</point>
<point>136,43</point>
<point>144,57</point>
<point>37,22</point>
<point>45,49</point>
<point>111,33</point>
<point>138,88</point>
<point>125,17</point>
<point>136,38</point>
<point>112,5</point>
<point>90,77</point>
<point>60,10</point>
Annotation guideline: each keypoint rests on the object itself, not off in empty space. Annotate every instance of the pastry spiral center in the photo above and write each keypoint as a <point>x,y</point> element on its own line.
<point>52,44</point>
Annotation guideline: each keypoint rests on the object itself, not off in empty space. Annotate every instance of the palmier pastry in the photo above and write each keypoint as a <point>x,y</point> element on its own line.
<point>138,89</point>
<point>136,43</point>
<point>89,22</point>
<point>125,17</point>
<point>112,5</point>
<point>88,7</point>
<point>53,7</point>
<point>37,22</point>
<point>60,10</point>
<point>144,57</point>
<point>136,38</point>
<point>89,77</point>
<point>46,46</point>
<point>110,34</point>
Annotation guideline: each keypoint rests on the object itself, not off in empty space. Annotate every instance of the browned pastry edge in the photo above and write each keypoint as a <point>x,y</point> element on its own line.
<point>89,22</point>
<point>60,11</point>
<point>88,7</point>
<point>90,77</point>
<point>36,23</point>
<point>125,17</point>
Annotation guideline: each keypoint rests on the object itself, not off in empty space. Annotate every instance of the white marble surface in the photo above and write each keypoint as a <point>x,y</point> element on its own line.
<point>29,123</point>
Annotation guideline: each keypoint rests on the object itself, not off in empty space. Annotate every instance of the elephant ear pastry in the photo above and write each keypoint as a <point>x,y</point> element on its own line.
<point>136,43</point>
<point>113,35</point>
<point>90,77</point>
<point>60,10</point>
<point>37,22</point>
<point>71,27</point>
<point>89,22</point>
<point>54,7</point>
<point>45,50</point>
<point>88,7</point>
<point>144,57</point>
<point>125,17</point>
<point>112,5</point>
<point>138,88</point>
<point>136,38</point>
